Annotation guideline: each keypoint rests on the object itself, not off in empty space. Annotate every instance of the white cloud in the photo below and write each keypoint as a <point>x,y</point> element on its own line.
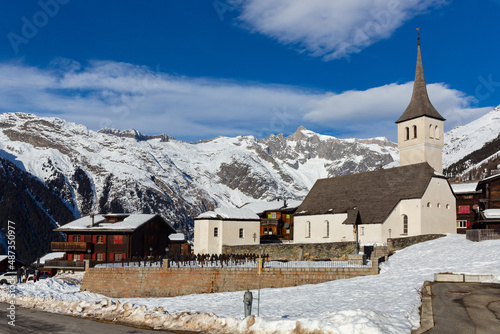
<point>331,28</point>
<point>126,96</point>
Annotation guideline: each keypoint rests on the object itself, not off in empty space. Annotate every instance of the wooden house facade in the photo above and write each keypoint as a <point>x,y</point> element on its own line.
<point>115,237</point>
<point>277,224</point>
<point>467,205</point>
<point>489,203</point>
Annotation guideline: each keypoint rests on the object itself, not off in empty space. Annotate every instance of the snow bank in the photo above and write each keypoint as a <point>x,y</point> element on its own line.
<point>385,303</point>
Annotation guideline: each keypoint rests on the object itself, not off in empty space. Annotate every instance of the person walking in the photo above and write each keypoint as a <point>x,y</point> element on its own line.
<point>19,274</point>
<point>36,275</point>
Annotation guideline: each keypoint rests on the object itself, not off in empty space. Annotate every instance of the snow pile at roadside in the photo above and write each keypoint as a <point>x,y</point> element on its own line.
<point>385,303</point>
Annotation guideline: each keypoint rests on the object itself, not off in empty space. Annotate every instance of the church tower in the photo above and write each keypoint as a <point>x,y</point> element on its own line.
<point>421,127</point>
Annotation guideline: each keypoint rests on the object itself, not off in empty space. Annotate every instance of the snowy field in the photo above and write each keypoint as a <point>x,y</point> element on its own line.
<point>385,303</point>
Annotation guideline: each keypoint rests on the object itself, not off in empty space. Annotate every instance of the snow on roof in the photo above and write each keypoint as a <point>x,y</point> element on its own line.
<point>491,213</point>
<point>131,222</point>
<point>464,188</point>
<point>51,256</point>
<point>229,213</point>
<point>177,237</point>
<point>259,207</point>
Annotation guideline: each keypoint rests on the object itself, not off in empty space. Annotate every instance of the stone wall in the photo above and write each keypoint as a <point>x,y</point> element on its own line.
<point>400,243</point>
<point>169,282</point>
<point>298,252</point>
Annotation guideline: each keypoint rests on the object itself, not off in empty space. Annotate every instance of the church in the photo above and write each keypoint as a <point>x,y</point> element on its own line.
<point>410,200</point>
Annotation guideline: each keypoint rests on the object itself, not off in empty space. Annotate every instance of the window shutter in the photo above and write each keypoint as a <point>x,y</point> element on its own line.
<point>94,239</point>
<point>104,256</point>
<point>70,257</point>
<point>124,256</point>
<point>104,237</point>
<point>111,257</point>
<point>94,256</point>
<point>70,238</point>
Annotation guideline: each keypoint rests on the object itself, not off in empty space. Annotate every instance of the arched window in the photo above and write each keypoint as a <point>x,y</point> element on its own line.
<point>308,229</point>
<point>327,229</point>
<point>436,132</point>
<point>407,133</point>
<point>431,131</point>
<point>429,204</point>
<point>241,233</point>
<point>405,224</point>
<point>414,131</point>
<point>216,232</point>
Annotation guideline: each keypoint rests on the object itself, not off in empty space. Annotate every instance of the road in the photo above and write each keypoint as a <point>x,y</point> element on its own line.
<point>466,308</point>
<point>36,321</point>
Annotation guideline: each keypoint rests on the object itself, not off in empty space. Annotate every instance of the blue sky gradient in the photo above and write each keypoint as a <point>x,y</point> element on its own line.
<point>198,69</point>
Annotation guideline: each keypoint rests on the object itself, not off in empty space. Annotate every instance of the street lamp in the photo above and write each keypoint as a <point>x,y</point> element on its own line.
<point>150,251</point>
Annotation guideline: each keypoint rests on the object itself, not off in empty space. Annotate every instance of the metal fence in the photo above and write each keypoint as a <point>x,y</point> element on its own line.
<point>230,261</point>
<point>481,235</point>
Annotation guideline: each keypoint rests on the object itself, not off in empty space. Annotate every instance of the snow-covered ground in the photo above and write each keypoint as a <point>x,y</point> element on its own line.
<point>385,303</point>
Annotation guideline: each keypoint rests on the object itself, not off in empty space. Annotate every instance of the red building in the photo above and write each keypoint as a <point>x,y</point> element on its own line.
<point>467,205</point>
<point>112,237</point>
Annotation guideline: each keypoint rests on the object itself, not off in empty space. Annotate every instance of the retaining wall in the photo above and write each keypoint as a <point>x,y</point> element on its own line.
<point>169,282</point>
<point>400,243</point>
<point>297,252</point>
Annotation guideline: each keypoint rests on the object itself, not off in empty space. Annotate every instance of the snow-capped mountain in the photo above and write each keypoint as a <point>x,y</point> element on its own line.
<point>114,171</point>
<point>471,151</point>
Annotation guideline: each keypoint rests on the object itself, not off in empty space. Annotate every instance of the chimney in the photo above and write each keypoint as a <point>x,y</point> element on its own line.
<point>284,203</point>
<point>91,220</point>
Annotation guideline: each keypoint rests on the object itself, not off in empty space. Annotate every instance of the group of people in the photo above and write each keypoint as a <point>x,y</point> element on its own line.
<point>23,274</point>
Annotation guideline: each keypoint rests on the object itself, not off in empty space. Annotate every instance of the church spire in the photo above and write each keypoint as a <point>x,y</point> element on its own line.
<point>420,105</point>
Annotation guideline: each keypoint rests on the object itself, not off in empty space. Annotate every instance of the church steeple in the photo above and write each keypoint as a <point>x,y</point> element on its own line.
<point>421,127</point>
<point>420,105</point>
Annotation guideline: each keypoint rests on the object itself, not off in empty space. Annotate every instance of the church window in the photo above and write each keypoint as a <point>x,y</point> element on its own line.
<point>436,132</point>
<point>448,207</point>
<point>431,131</point>
<point>405,224</point>
<point>362,231</point>
<point>241,233</point>
<point>216,232</point>
<point>327,229</point>
<point>429,204</point>
<point>439,205</point>
<point>308,229</point>
<point>414,131</point>
<point>407,133</point>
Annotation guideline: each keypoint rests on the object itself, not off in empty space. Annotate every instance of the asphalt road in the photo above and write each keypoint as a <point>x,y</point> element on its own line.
<point>35,321</point>
<point>466,308</point>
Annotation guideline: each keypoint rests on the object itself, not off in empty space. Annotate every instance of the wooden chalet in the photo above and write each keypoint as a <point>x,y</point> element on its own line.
<point>277,224</point>
<point>111,238</point>
<point>489,203</point>
<point>467,205</point>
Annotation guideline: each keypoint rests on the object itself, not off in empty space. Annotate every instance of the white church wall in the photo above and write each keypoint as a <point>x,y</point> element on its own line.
<point>204,240</point>
<point>231,233</point>
<point>323,228</point>
<point>438,208</point>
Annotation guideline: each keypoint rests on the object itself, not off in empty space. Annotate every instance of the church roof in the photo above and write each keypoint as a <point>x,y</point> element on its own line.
<point>367,198</point>
<point>420,105</point>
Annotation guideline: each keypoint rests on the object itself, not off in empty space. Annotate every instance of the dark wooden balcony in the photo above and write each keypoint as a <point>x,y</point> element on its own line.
<point>62,264</point>
<point>71,246</point>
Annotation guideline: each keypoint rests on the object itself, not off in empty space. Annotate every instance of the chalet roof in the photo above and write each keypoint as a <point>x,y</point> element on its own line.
<point>130,222</point>
<point>486,180</point>
<point>420,105</point>
<point>229,214</point>
<point>489,216</point>
<point>367,198</point>
<point>464,188</point>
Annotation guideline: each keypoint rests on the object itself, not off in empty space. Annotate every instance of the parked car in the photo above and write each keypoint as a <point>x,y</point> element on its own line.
<point>8,277</point>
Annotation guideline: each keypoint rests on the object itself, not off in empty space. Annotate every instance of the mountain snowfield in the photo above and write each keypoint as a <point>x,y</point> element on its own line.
<point>114,170</point>
<point>464,140</point>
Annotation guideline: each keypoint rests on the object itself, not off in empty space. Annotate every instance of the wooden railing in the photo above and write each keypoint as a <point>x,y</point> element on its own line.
<point>71,246</point>
<point>61,264</point>
<point>480,235</point>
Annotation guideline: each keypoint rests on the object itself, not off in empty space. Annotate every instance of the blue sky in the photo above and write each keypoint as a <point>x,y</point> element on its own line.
<point>197,69</point>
